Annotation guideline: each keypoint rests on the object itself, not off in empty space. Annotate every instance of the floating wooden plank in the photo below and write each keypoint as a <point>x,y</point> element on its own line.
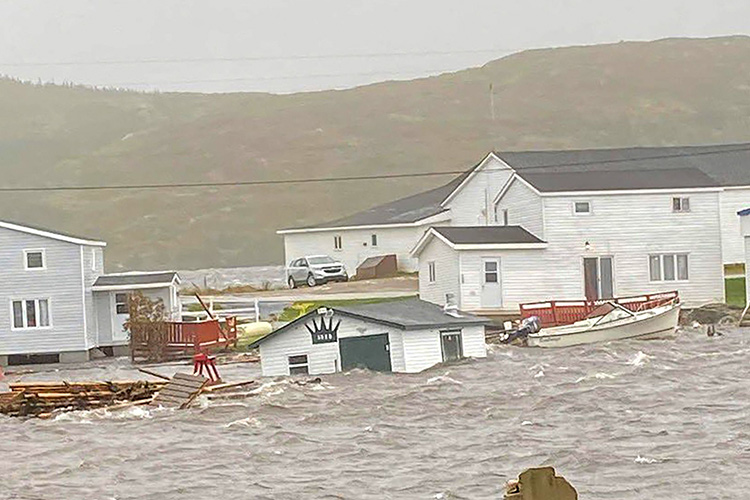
<point>180,391</point>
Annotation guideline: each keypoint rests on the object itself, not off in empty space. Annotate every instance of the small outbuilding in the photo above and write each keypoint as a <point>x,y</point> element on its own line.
<point>407,336</point>
<point>111,293</point>
<point>745,228</point>
<point>380,266</point>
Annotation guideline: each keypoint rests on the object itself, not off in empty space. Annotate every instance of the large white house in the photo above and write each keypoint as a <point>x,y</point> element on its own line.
<point>58,305</point>
<point>605,222</point>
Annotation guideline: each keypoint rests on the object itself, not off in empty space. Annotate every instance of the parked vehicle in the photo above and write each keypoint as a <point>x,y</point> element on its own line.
<point>315,270</point>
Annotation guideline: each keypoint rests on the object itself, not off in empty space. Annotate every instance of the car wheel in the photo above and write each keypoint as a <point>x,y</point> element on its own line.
<point>292,283</point>
<point>311,280</point>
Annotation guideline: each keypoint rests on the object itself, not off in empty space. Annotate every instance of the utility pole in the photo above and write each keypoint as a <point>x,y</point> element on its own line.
<point>492,102</point>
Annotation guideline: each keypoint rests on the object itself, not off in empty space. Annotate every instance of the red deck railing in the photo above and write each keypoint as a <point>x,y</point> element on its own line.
<point>564,312</point>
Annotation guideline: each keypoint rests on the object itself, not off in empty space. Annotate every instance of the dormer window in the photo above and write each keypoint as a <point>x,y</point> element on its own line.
<point>582,208</point>
<point>680,205</point>
<point>34,259</point>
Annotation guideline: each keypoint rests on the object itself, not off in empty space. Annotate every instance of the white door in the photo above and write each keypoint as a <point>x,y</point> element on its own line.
<point>492,288</point>
<point>119,315</point>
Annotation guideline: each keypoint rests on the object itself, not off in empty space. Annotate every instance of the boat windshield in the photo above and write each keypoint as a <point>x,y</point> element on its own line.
<point>611,312</point>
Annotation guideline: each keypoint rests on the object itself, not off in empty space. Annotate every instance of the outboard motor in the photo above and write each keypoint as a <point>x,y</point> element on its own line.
<point>529,325</point>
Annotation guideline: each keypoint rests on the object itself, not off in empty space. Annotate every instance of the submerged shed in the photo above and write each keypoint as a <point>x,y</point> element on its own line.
<point>397,336</point>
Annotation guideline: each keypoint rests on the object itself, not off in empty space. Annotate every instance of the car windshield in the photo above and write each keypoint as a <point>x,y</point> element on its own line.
<point>320,260</point>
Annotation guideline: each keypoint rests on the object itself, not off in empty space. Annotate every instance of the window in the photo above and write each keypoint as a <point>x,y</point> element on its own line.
<point>451,345</point>
<point>298,365</point>
<point>669,267</point>
<point>337,243</point>
<point>582,207</point>
<point>431,272</point>
<point>34,259</point>
<point>374,240</point>
<point>680,205</point>
<point>32,313</point>
<point>93,259</point>
<point>491,271</point>
<point>121,303</point>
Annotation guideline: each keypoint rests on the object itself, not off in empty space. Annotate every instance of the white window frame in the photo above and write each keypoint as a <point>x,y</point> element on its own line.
<point>374,239</point>
<point>126,303</point>
<point>662,257</point>
<point>583,214</point>
<point>338,243</point>
<point>291,365</point>
<point>431,272</point>
<point>681,202</point>
<point>26,253</point>
<point>460,333</point>
<point>24,314</point>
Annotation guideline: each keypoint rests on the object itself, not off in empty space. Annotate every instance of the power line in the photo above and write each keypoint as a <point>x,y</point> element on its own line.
<point>258,58</point>
<point>270,182</point>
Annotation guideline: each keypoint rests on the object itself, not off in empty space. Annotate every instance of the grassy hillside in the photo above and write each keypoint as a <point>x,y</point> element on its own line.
<point>660,93</point>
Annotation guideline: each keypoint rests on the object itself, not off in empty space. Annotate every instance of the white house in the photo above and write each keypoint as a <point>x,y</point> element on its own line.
<point>535,190</point>
<point>59,304</point>
<point>407,336</point>
<point>744,216</point>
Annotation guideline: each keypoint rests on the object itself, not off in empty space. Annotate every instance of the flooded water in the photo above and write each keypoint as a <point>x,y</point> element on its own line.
<point>666,420</point>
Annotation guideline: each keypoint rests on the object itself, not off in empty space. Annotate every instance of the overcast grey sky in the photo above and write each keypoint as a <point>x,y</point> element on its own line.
<point>264,40</point>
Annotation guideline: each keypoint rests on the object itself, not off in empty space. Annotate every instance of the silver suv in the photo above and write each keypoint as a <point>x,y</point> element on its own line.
<point>314,270</point>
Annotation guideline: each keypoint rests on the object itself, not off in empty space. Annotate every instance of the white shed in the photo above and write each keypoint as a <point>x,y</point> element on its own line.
<point>406,336</point>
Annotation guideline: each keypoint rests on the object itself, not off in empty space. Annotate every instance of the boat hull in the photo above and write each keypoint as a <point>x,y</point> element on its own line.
<point>658,323</point>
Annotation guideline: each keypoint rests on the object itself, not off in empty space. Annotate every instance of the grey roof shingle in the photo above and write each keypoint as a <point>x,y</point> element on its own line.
<point>404,314</point>
<point>633,168</point>
<point>402,211</point>
<point>125,279</point>
<point>487,235</point>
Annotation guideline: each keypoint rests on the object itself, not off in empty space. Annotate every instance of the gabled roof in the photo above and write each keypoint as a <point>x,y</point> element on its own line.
<point>47,233</point>
<point>481,238</point>
<point>135,280</point>
<point>633,168</point>
<point>404,314</point>
<point>409,210</point>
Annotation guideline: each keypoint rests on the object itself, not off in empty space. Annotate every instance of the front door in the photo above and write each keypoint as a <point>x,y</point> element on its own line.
<point>371,352</point>
<point>120,315</point>
<point>451,345</point>
<point>492,292</point>
<point>598,278</point>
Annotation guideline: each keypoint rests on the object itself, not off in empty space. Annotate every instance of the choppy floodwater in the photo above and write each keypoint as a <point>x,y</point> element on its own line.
<point>666,420</point>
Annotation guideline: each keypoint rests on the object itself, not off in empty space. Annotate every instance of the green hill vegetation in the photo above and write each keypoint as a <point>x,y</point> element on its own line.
<point>668,92</point>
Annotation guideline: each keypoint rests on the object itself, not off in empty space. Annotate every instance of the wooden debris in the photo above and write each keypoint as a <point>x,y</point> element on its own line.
<point>540,483</point>
<point>180,391</point>
<point>43,399</point>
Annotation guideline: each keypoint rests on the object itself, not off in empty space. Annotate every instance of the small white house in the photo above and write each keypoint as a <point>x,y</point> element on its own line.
<point>406,336</point>
<point>59,304</point>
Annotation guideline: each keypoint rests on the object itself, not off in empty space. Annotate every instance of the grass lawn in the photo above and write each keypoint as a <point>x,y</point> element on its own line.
<point>300,308</point>
<point>735,288</point>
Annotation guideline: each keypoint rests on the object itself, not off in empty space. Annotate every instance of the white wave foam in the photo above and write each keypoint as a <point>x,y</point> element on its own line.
<point>639,359</point>
<point>644,460</point>
<point>539,374</point>
<point>444,378</point>
<point>245,422</point>
<point>598,376</point>
<point>526,422</point>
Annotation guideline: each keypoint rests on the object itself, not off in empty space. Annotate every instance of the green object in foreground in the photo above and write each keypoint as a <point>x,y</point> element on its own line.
<point>735,291</point>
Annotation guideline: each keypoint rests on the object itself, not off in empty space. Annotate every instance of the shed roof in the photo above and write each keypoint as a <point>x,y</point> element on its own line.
<point>49,233</point>
<point>404,314</point>
<point>487,235</point>
<point>135,280</point>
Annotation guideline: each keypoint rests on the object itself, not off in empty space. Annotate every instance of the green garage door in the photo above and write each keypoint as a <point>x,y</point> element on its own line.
<point>371,352</point>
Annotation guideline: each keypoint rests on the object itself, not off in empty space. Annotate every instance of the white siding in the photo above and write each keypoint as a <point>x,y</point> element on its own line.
<point>470,205</point>
<point>356,245</point>
<point>60,282</point>
<point>524,277</point>
<point>747,267</point>
<point>423,348</point>
<point>323,358</point>
<point>474,342</point>
<point>104,315</point>
<point>92,259</point>
<point>732,201</point>
<point>524,207</point>
<point>446,272</point>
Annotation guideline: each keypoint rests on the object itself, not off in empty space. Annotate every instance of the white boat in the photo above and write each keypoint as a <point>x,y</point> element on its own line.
<point>611,321</point>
